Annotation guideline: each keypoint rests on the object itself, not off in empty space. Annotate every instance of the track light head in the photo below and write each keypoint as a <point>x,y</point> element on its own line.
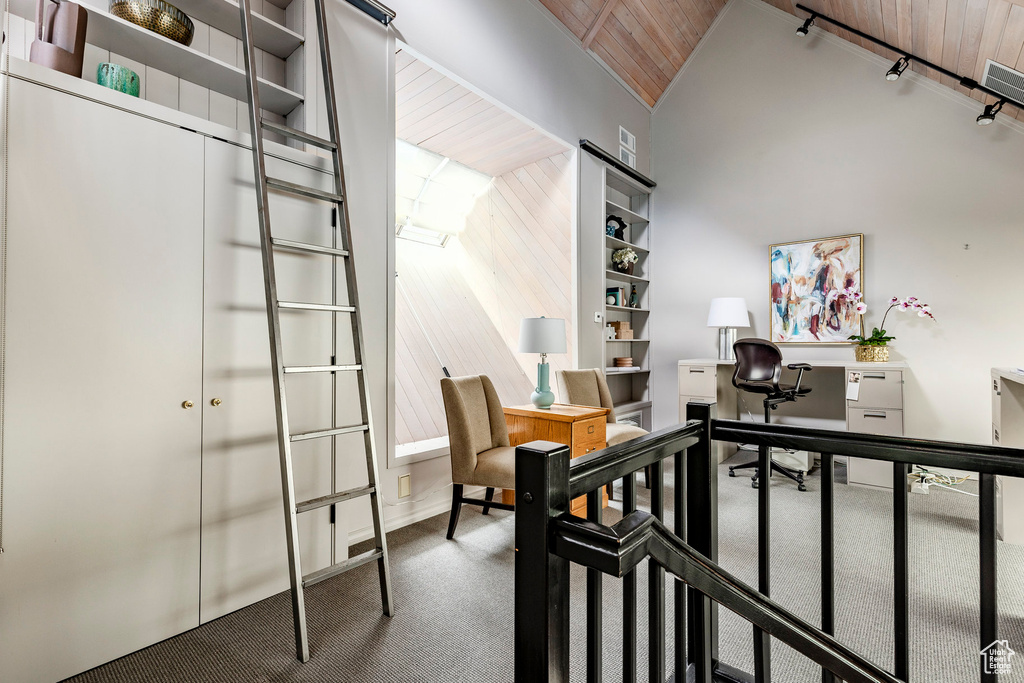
<point>897,69</point>
<point>990,113</point>
<point>802,31</point>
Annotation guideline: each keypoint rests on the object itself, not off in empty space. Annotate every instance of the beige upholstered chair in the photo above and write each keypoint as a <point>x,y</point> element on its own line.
<point>478,439</point>
<point>588,388</point>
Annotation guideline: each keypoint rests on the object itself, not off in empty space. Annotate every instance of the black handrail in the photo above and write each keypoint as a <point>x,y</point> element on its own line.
<point>590,472</point>
<point>548,538</point>
<point>985,459</point>
<point>618,549</point>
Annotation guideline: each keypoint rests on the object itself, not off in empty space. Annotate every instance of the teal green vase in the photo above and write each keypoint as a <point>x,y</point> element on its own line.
<point>119,78</point>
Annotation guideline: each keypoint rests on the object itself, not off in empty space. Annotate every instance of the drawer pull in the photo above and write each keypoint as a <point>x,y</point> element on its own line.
<point>590,429</point>
<point>874,375</point>
<point>881,415</point>
<point>700,370</point>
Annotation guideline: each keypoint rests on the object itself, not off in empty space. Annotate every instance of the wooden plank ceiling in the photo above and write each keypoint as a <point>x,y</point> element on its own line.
<point>434,112</point>
<point>646,42</point>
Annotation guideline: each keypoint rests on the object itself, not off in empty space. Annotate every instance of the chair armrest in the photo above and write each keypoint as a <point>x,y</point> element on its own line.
<point>800,366</point>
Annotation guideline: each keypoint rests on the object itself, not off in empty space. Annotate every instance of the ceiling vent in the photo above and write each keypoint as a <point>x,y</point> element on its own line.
<point>1004,80</point>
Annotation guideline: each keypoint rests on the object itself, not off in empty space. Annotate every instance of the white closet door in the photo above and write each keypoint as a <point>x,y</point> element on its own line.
<point>244,552</point>
<point>103,344</point>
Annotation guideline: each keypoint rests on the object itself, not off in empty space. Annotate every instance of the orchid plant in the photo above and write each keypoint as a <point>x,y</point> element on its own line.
<point>878,336</point>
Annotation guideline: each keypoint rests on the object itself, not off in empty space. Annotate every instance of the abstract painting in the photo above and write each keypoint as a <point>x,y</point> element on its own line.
<point>807,283</point>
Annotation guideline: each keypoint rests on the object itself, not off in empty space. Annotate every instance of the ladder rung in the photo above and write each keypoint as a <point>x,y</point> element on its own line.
<point>311,248</point>
<point>328,432</point>
<point>297,134</point>
<point>340,568</point>
<point>324,501</point>
<point>298,305</point>
<point>303,190</point>
<point>322,368</point>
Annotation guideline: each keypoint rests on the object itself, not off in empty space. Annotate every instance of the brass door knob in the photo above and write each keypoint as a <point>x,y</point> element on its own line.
<point>215,402</point>
<point>187,404</point>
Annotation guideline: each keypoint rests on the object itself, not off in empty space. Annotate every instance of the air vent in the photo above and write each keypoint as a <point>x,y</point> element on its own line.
<point>627,139</point>
<point>1004,80</point>
<point>627,157</point>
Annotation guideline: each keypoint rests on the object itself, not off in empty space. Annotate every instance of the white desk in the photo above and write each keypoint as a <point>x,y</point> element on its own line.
<point>878,409</point>
<point>1008,430</point>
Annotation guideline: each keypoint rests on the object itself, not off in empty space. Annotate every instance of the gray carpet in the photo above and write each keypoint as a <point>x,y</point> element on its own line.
<point>455,602</point>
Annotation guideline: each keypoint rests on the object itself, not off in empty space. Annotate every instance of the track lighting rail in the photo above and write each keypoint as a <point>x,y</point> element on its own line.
<point>966,82</point>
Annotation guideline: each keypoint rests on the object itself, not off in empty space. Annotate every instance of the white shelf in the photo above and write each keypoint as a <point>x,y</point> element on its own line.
<point>108,32</point>
<point>627,215</point>
<point>626,309</point>
<point>624,371</point>
<point>616,243</point>
<point>622,277</point>
<point>630,406</point>
<point>628,341</point>
<point>620,182</point>
<point>268,35</point>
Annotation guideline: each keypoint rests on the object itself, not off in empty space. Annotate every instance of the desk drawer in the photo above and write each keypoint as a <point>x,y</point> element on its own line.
<point>588,436</point>
<point>868,421</point>
<point>880,389</point>
<point>697,380</point>
<point>683,400</point>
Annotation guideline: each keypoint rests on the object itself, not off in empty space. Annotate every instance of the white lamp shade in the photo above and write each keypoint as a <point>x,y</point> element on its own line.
<point>729,311</point>
<point>542,335</point>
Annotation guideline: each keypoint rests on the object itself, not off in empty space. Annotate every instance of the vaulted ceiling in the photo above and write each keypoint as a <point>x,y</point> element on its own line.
<point>646,42</point>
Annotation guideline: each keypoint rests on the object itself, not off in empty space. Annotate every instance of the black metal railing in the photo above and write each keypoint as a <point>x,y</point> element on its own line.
<point>548,539</point>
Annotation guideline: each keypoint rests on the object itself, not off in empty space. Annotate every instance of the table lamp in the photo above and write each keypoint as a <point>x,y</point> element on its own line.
<point>728,313</point>
<point>542,335</point>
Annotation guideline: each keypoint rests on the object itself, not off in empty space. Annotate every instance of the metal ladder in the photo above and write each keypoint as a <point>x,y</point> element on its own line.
<point>336,251</point>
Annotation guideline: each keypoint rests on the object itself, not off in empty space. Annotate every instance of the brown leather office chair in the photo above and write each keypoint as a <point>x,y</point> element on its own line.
<point>759,371</point>
<point>478,440</point>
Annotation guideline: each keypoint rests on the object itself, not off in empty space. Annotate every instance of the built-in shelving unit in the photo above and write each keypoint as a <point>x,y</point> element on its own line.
<point>626,194</point>
<point>121,37</point>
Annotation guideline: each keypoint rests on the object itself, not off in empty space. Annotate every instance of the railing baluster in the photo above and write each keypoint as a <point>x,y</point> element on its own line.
<point>629,593</point>
<point>828,553</point>
<point>702,536</point>
<point>901,569</point>
<point>656,584</point>
<point>987,558</point>
<point>594,600</point>
<point>762,640</point>
<point>679,588</point>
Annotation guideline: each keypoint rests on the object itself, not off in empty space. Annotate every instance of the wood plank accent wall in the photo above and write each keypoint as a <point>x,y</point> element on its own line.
<point>434,112</point>
<point>513,260</point>
<point>646,42</point>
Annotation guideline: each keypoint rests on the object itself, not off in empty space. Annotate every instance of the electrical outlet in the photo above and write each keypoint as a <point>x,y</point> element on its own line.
<point>919,487</point>
<point>405,486</point>
<point>598,316</point>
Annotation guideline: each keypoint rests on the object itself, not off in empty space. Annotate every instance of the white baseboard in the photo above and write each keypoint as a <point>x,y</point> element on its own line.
<point>415,514</point>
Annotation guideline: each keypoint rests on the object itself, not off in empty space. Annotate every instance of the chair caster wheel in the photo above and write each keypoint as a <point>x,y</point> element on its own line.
<point>731,473</point>
<point>801,487</point>
<point>753,484</point>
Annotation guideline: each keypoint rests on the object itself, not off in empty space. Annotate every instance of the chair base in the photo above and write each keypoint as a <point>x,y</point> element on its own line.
<point>795,475</point>
<point>458,500</point>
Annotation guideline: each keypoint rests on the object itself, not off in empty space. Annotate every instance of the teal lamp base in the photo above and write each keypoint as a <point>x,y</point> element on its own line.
<point>542,396</point>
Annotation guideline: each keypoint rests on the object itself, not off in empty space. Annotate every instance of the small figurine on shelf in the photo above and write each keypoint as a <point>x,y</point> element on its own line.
<point>615,227</point>
<point>634,299</point>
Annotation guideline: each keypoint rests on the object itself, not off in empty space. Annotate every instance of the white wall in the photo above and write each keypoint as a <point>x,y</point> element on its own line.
<point>508,50</point>
<point>768,138</point>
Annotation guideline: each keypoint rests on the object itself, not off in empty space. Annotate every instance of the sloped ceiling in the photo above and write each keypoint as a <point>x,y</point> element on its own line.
<point>434,112</point>
<point>646,42</point>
